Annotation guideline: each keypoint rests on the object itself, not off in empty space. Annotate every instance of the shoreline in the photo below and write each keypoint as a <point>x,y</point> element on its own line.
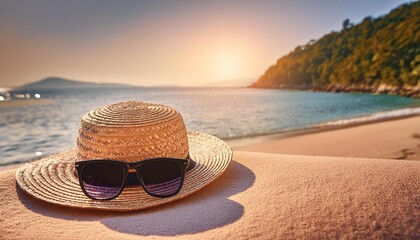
<point>389,138</point>
<point>322,127</point>
<point>404,91</point>
<point>25,102</point>
<point>253,143</point>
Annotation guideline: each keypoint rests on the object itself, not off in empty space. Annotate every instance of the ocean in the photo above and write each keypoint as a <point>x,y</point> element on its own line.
<point>31,131</point>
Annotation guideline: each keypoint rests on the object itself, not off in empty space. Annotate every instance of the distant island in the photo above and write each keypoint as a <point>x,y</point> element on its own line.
<point>379,55</point>
<point>61,83</point>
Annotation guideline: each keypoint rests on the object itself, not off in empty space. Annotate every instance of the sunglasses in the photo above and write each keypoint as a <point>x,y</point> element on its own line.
<point>104,179</point>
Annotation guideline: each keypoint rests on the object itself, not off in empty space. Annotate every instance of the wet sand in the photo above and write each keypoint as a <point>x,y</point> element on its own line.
<point>391,139</point>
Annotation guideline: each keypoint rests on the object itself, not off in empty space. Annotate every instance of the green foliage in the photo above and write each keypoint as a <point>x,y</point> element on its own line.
<point>378,51</point>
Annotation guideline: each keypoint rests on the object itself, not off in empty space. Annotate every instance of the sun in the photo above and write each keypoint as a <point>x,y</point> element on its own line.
<point>226,66</point>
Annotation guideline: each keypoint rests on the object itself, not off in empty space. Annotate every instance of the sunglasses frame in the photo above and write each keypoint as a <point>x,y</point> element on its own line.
<point>126,167</point>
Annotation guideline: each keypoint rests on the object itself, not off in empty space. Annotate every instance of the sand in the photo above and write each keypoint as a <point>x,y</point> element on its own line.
<point>25,102</point>
<point>390,139</point>
<point>394,139</point>
<point>267,196</point>
<point>263,195</point>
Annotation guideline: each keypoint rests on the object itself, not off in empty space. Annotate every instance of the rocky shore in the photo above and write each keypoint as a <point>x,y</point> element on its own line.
<point>405,91</point>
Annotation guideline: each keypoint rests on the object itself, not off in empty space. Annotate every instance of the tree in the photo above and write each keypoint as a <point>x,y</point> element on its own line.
<point>376,51</point>
<point>346,23</point>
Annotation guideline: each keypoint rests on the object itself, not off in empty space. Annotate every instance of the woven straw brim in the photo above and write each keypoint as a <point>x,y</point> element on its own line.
<point>53,179</point>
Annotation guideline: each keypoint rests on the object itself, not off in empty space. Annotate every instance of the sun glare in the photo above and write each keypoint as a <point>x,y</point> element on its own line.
<point>227,66</point>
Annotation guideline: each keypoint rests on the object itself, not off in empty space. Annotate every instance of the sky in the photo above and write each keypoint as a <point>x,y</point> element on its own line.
<point>162,43</point>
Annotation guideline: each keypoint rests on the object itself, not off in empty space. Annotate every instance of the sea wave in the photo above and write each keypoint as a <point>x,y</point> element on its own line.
<point>284,133</point>
<point>376,117</point>
<point>29,131</point>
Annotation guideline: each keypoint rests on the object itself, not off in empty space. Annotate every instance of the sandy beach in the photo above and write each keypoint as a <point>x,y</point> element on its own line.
<point>209,120</point>
<point>391,139</point>
<point>304,196</point>
<point>260,196</point>
<point>25,102</point>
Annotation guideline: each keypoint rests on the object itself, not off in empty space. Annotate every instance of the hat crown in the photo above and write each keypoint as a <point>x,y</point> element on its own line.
<point>132,131</point>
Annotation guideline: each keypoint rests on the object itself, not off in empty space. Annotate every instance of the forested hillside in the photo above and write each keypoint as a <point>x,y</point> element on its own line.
<point>377,55</point>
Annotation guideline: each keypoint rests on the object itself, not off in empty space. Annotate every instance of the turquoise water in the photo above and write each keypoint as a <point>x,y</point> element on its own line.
<point>36,130</point>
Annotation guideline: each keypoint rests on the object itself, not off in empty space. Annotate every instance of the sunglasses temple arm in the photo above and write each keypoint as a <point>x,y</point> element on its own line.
<point>191,165</point>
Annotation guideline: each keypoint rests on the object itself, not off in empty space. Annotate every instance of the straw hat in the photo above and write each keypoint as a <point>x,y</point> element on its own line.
<point>127,131</point>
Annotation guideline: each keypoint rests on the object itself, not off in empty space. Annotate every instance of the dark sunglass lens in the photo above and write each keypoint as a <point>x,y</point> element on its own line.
<point>161,178</point>
<point>102,180</point>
